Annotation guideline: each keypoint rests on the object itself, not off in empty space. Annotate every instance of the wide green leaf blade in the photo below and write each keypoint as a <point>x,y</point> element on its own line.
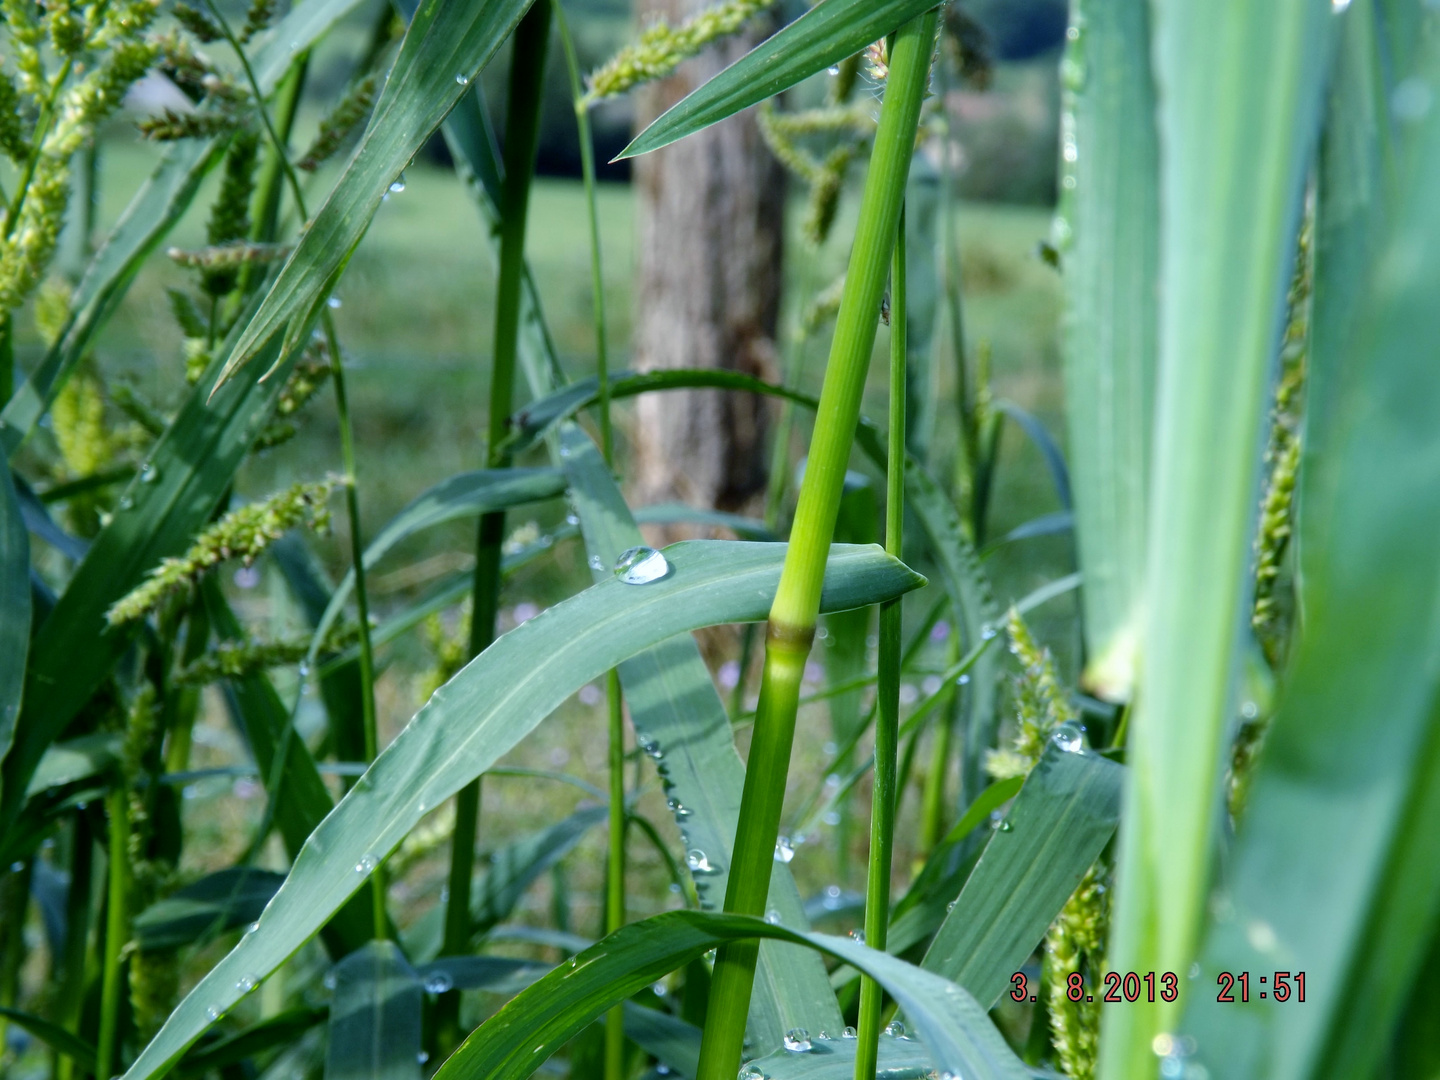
<point>444,48</point>
<point>374,1029</point>
<point>463,495</point>
<point>1345,791</point>
<point>1239,109</point>
<point>675,708</point>
<point>516,1041</point>
<point>52,1035</point>
<point>1108,237</point>
<point>674,1041</point>
<point>14,607</point>
<point>274,1031</point>
<point>1061,820</point>
<point>189,470</point>
<point>75,760</point>
<point>485,710</point>
<point>220,901</point>
<point>828,33</point>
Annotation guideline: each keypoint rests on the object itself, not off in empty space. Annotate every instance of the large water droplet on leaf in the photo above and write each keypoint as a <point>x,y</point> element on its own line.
<point>640,566</point>
<point>797,1040</point>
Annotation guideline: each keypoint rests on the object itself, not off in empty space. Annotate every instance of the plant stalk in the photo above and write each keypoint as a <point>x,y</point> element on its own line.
<point>522,133</point>
<point>77,935</point>
<point>887,722</point>
<point>117,921</point>
<point>791,628</point>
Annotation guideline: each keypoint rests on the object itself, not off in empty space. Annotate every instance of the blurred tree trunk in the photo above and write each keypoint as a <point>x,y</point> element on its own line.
<point>710,216</point>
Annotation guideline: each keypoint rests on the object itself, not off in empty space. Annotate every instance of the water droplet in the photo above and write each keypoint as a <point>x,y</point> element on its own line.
<point>1262,935</point>
<point>399,185</point>
<point>334,303</point>
<point>784,850</point>
<point>304,670</point>
<point>438,982</point>
<point>1194,972</point>
<point>659,989</point>
<point>245,983</point>
<point>252,928</point>
<point>962,680</point>
<point>951,905</point>
<point>987,632</point>
<point>848,1033</point>
<point>677,808</point>
<point>212,1013</point>
<point>651,748</point>
<point>1069,737</point>
<point>1005,826</point>
<point>772,917</point>
<point>17,866</point>
<point>367,864</point>
<point>126,503</point>
<point>640,566</point>
<point>895,1029</point>
<point>834,70</point>
<point>1249,710</point>
<point>330,981</point>
<point>462,79</point>
<point>752,1072</point>
<point>422,1057</point>
<point>149,474</point>
<point>698,862</point>
<point>797,1041</point>
<point>858,935</point>
<point>831,817</point>
<point>1340,5</point>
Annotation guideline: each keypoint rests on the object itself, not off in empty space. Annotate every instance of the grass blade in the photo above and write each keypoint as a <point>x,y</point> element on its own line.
<point>1348,771</point>
<point>374,1016</point>
<point>53,1036</point>
<point>485,710</point>
<point>14,607</point>
<point>516,1041</point>
<point>673,703</point>
<point>831,31</point>
<point>1108,233</point>
<point>278,1030</point>
<point>1242,88</point>
<point>445,47</point>
<point>217,902</point>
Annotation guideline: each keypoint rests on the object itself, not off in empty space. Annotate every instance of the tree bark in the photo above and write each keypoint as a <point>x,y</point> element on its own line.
<point>710,219</point>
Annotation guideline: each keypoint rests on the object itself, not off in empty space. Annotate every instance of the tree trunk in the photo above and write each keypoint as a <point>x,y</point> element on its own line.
<point>710,216</point>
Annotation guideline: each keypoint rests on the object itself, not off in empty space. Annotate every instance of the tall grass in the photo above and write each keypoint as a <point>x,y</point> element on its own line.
<point>1223,797</point>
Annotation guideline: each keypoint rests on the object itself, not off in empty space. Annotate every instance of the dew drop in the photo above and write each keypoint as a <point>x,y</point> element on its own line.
<point>334,303</point>
<point>330,981</point>
<point>1005,826</point>
<point>212,1013</point>
<point>772,917</point>
<point>698,862</point>
<point>962,680</point>
<point>951,906</point>
<point>1339,5</point>
<point>399,185</point>
<point>831,817</point>
<point>797,1041</point>
<point>640,566</point>
<point>438,982</point>
<point>1070,737</point>
<point>858,935</point>
<point>422,1057</point>
<point>677,808</point>
<point>252,928</point>
<point>462,80</point>
<point>987,632</point>
<point>367,864</point>
<point>245,983</point>
<point>824,1036</point>
<point>848,1033</point>
<point>834,70</point>
<point>895,1029</point>
<point>784,850</point>
<point>149,474</point>
<point>126,503</point>
<point>659,989</point>
<point>752,1072</point>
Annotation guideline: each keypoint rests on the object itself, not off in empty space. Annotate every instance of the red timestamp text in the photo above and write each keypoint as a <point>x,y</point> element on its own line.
<point>1279,986</point>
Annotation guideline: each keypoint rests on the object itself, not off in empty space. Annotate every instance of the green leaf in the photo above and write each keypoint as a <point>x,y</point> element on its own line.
<point>498,974</point>
<point>485,710</point>
<point>1345,791</point>
<point>53,1036</point>
<point>673,704</point>
<point>374,1016</point>
<point>159,204</point>
<point>463,495</point>
<point>517,1040</point>
<point>75,760</point>
<point>275,1031</point>
<point>674,1041</point>
<point>14,607</point>
<point>217,902</point>
<point>1108,236</point>
<point>834,1059</point>
<point>1242,90</point>
<point>1060,822</point>
<point>444,49</point>
<point>828,33</point>
<point>190,469</point>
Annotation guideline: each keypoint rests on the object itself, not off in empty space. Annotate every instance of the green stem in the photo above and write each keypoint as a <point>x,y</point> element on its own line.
<point>42,132</point>
<point>791,628</point>
<point>932,803</point>
<point>615,864</point>
<point>77,935</point>
<point>117,917</point>
<point>887,723</point>
<point>522,133</point>
<point>347,457</point>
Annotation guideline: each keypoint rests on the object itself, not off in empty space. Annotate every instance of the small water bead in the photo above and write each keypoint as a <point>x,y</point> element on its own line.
<point>848,1033</point>
<point>772,917</point>
<point>399,185</point>
<point>797,1041</point>
<point>649,746</point>
<point>1069,737</point>
<point>752,1072</point>
<point>676,807</point>
<point>149,474</point>
<point>126,503</point>
<point>951,906</point>
<point>439,982</point>
<point>659,989</point>
<point>367,864</point>
<point>895,1029</point>
<point>422,1057</point>
<point>784,850</point>
<point>698,862</point>
<point>858,935</point>
<point>988,632</point>
<point>962,680</point>
<point>640,566</point>
<point>834,70</point>
<point>245,983</point>
<point>462,79</point>
<point>212,1013</point>
<point>1249,710</point>
<point>330,981</point>
<point>831,817</point>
